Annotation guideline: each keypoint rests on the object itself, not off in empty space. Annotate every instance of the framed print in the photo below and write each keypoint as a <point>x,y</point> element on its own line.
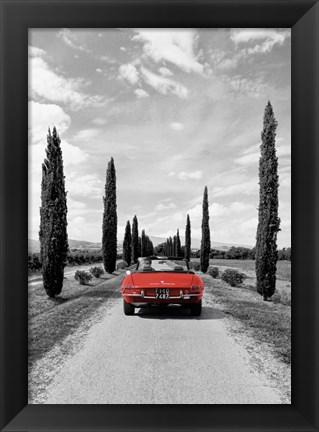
<point>47,67</point>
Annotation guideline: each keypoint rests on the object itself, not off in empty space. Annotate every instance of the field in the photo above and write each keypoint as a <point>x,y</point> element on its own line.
<point>283,267</point>
<point>283,283</point>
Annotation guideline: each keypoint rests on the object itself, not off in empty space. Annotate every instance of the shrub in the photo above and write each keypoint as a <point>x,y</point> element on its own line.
<point>83,277</point>
<point>213,272</point>
<point>96,271</point>
<point>233,277</point>
<point>34,263</point>
<point>195,266</point>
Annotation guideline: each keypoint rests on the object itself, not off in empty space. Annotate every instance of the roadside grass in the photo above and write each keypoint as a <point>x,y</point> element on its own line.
<point>283,266</point>
<point>267,322</point>
<point>52,320</point>
<point>283,282</point>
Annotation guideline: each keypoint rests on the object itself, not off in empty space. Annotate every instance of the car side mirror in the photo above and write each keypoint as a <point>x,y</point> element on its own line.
<point>128,272</point>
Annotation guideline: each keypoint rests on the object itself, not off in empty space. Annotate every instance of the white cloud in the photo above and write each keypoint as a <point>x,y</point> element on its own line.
<point>163,206</point>
<point>247,87</point>
<point>215,210</point>
<point>71,39</point>
<point>165,71</point>
<point>36,52</point>
<point>248,225</point>
<point>129,72</point>
<point>100,121</point>
<point>248,159</point>
<point>76,205</point>
<point>72,155</point>
<point>98,70</point>
<point>77,227</point>
<point>46,84</point>
<point>140,93</point>
<point>86,134</point>
<point>43,116</point>
<point>240,207</point>
<point>164,85</point>
<point>246,35</point>
<point>251,156</point>
<point>220,213</point>
<point>88,185</point>
<point>174,46</point>
<point>195,175</point>
<point>268,39</point>
<point>176,126</point>
<point>283,150</point>
<point>245,188</point>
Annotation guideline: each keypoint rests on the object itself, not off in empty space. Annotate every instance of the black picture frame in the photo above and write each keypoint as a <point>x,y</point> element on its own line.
<point>17,16</point>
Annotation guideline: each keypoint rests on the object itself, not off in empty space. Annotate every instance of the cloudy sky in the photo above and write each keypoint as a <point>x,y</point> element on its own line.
<point>177,110</point>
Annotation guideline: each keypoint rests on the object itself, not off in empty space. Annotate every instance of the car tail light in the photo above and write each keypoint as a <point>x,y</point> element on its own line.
<point>195,288</point>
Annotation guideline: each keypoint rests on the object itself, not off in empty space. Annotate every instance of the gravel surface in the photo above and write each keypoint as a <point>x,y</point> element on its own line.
<point>155,357</point>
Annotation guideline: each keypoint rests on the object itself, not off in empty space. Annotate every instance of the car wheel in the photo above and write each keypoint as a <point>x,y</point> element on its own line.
<point>128,308</point>
<point>196,309</point>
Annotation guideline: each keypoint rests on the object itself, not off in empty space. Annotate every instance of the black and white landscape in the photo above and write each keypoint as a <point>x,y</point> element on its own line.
<point>161,115</point>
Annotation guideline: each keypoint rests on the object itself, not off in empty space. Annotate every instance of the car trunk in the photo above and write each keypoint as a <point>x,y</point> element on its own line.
<point>162,280</point>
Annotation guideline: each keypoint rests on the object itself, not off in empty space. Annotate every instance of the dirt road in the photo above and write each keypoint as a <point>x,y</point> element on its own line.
<point>160,357</point>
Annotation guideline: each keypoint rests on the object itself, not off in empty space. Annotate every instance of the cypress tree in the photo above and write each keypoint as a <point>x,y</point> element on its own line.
<point>174,245</point>
<point>268,220</point>
<point>188,239</point>
<point>139,246</point>
<point>135,253</point>
<point>149,248</point>
<point>178,245</point>
<point>171,246</point>
<point>109,227</point>
<point>143,244</point>
<point>127,244</point>
<point>53,217</point>
<point>205,242</point>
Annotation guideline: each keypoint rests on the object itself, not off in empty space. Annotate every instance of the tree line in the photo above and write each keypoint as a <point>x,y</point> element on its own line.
<point>53,219</point>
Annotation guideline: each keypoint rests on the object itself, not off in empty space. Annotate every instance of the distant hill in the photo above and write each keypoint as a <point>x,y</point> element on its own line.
<point>34,245</point>
<point>196,243</point>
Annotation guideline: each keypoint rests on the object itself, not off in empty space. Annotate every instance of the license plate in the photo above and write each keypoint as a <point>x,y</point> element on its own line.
<point>162,293</point>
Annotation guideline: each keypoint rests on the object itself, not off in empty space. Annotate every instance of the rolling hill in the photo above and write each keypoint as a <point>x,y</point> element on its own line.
<point>34,245</point>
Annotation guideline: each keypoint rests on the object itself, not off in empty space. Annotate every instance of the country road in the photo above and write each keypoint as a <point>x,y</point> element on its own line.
<point>160,357</point>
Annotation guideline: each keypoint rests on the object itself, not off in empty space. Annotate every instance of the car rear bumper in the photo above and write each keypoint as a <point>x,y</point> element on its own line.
<point>182,298</point>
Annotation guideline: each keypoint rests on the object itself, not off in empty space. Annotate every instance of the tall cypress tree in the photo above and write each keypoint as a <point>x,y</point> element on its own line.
<point>143,244</point>
<point>205,242</point>
<point>139,246</point>
<point>127,244</point>
<point>178,245</point>
<point>268,220</point>
<point>109,227</point>
<point>171,246</point>
<point>53,217</point>
<point>188,239</point>
<point>135,253</point>
<point>174,245</point>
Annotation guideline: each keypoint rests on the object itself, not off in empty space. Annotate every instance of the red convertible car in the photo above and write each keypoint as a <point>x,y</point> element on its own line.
<point>162,281</point>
